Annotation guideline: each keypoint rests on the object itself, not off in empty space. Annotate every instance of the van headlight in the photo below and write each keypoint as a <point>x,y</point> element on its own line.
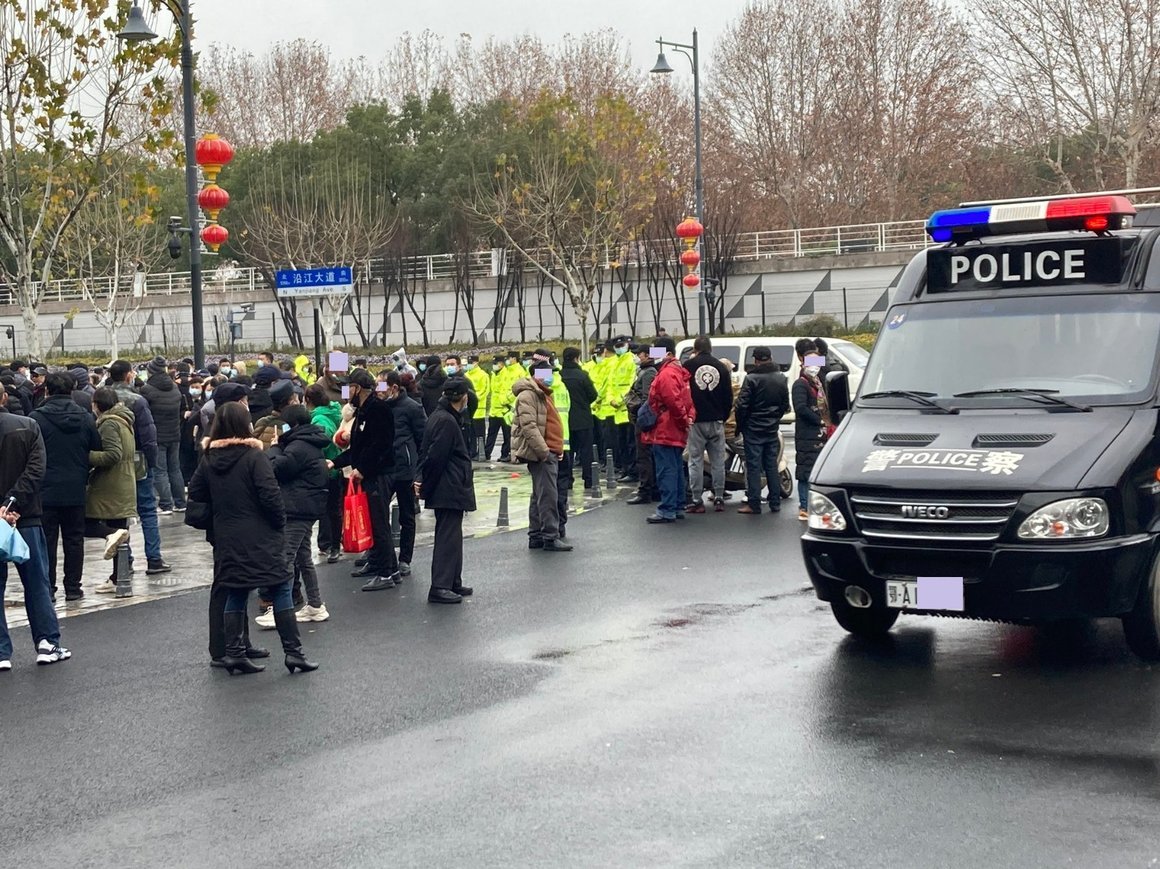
<point>1067,519</point>
<point>824,514</point>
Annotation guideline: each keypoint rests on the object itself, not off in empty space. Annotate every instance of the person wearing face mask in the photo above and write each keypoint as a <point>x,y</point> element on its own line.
<point>454,368</point>
<point>538,439</point>
<point>621,375</point>
<point>431,381</point>
<point>192,393</point>
<point>410,420</point>
<point>809,431</point>
<point>502,401</point>
<point>372,455</point>
<point>480,382</point>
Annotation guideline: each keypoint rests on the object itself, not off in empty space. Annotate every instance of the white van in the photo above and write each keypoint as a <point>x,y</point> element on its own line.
<point>739,350</point>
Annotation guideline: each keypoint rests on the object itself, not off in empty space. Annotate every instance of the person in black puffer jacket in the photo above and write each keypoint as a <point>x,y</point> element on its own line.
<point>167,406</point>
<point>260,401</point>
<point>302,475</point>
<point>410,421</point>
<point>762,402</point>
<point>247,533</point>
<point>69,434</point>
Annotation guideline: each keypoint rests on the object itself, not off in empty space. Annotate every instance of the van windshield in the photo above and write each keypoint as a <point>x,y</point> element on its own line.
<point>1101,348</point>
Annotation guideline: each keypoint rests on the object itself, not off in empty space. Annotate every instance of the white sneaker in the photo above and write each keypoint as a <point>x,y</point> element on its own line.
<point>121,535</point>
<point>313,614</point>
<point>106,587</point>
<point>50,653</point>
<point>266,620</point>
<point>5,665</point>
<point>161,512</point>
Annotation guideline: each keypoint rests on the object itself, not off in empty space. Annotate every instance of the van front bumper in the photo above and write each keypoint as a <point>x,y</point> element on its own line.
<point>1088,579</point>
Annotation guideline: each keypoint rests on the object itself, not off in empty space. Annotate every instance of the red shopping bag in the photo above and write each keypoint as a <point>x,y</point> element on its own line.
<point>356,519</point>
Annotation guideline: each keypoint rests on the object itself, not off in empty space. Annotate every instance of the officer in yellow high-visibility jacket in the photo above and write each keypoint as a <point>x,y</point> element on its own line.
<point>602,414</point>
<point>481,382</point>
<point>619,385</point>
<point>503,378</point>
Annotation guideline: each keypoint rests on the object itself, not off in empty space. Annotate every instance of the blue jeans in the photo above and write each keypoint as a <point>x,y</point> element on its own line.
<point>279,595</point>
<point>803,494</point>
<point>167,477</point>
<point>147,510</point>
<point>670,481</point>
<point>37,600</point>
<point>761,456</point>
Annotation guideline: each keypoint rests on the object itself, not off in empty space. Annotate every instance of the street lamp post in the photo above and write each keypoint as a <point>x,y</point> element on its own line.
<point>662,68</point>
<point>136,30</point>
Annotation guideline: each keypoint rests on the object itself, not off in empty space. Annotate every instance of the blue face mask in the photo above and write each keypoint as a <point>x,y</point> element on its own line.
<point>545,377</point>
<point>452,369</point>
<point>422,366</point>
<point>469,366</point>
<point>620,351</point>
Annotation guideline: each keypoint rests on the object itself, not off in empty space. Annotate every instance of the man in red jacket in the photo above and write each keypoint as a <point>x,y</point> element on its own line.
<point>671,400</point>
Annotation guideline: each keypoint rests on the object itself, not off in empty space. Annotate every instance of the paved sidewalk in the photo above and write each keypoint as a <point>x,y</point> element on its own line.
<point>186,550</point>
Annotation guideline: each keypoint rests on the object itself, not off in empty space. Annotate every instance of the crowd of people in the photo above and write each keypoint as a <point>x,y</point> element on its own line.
<point>257,461</point>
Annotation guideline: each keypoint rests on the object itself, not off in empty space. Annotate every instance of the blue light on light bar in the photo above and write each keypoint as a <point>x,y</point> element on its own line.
<point>942,224</point>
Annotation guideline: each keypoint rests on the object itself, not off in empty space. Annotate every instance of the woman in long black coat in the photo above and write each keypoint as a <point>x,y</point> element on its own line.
<point>809,432</point>
<point>235,478</point>
<point>447,485</point>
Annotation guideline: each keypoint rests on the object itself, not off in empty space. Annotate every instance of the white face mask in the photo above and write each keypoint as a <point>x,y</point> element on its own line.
<point>811,370</point>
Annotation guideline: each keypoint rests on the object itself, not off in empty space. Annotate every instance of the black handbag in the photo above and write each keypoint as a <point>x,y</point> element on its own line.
<point>199,515</point>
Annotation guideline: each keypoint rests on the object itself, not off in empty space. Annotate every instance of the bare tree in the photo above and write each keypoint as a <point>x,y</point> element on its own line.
<point>290,93</point>
<point>418,64</point>
<point>582,187</point>
<point>1076,78</point>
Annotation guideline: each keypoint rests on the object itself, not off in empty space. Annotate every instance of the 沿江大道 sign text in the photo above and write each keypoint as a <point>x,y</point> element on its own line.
<point>332,280</point>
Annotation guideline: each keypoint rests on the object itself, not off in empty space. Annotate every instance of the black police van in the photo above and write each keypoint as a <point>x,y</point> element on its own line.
<point>1002,458</point>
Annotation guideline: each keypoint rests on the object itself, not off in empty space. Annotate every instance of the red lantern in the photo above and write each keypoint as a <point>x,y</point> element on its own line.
<point>212,200</point>
<point>214,236</point>
<point>689,228</point>
<point>212,152</point>
<point>690,258</point>
<point>691,281</point>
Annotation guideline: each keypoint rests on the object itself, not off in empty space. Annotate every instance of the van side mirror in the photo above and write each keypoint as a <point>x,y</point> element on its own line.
<point>838,394</point>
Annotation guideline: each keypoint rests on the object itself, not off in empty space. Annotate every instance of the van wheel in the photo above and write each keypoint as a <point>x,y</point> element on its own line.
<point>873,621</point>
<point>1142,625</point>
<point>785,479</point>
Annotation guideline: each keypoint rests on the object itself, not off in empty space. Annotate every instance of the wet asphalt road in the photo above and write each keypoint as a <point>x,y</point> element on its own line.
<point>662,696</point>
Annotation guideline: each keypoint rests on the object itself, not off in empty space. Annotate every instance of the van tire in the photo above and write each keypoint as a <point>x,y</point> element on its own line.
<point>874,621</point>
<point>1142,625</point>
<point>785,483</point>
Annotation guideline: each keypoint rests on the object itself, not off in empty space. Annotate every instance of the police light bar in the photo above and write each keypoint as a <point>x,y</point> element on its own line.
<point>1091,213</point>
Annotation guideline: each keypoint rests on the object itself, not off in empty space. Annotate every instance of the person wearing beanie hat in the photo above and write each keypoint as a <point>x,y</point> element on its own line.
<point>445,482</point>
<point>282,396</point>
<point>260,402</point>
<point>431,382</point>
<point>156,365</point>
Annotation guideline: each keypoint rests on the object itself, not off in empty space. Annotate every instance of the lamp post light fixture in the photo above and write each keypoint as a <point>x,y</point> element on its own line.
<point>662,67</point>
<point>137,30</point>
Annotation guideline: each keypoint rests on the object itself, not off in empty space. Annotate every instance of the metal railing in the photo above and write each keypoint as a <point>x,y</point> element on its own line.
<point>751,246</point>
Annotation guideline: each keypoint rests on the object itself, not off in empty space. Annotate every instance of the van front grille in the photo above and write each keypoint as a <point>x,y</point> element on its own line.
<point>932,517</point>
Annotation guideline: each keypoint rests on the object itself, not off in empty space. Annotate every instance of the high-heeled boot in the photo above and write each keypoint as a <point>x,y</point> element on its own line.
<point>287,624</point>
<point>235,657</point>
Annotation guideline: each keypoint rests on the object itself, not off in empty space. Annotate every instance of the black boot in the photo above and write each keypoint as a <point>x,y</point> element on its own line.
<point>287,624</point>
<point>235,656</point>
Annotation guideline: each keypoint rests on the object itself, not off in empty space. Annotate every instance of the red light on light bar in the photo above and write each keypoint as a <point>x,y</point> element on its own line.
<point>1090,206</point>
<point>1096,223</point>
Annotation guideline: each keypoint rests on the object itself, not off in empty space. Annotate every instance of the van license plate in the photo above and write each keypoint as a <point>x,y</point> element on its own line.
<point>935,593</point>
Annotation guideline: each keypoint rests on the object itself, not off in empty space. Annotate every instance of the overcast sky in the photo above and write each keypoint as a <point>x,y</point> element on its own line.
<point>368,27</point>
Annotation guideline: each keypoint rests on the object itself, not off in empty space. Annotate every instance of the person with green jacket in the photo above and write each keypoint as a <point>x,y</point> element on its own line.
<point>480,382</point>
<point>327,415</point>
<point>111,495</point>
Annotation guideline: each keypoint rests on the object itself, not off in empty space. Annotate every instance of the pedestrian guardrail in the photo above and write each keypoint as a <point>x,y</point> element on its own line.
<point>488,265</point>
